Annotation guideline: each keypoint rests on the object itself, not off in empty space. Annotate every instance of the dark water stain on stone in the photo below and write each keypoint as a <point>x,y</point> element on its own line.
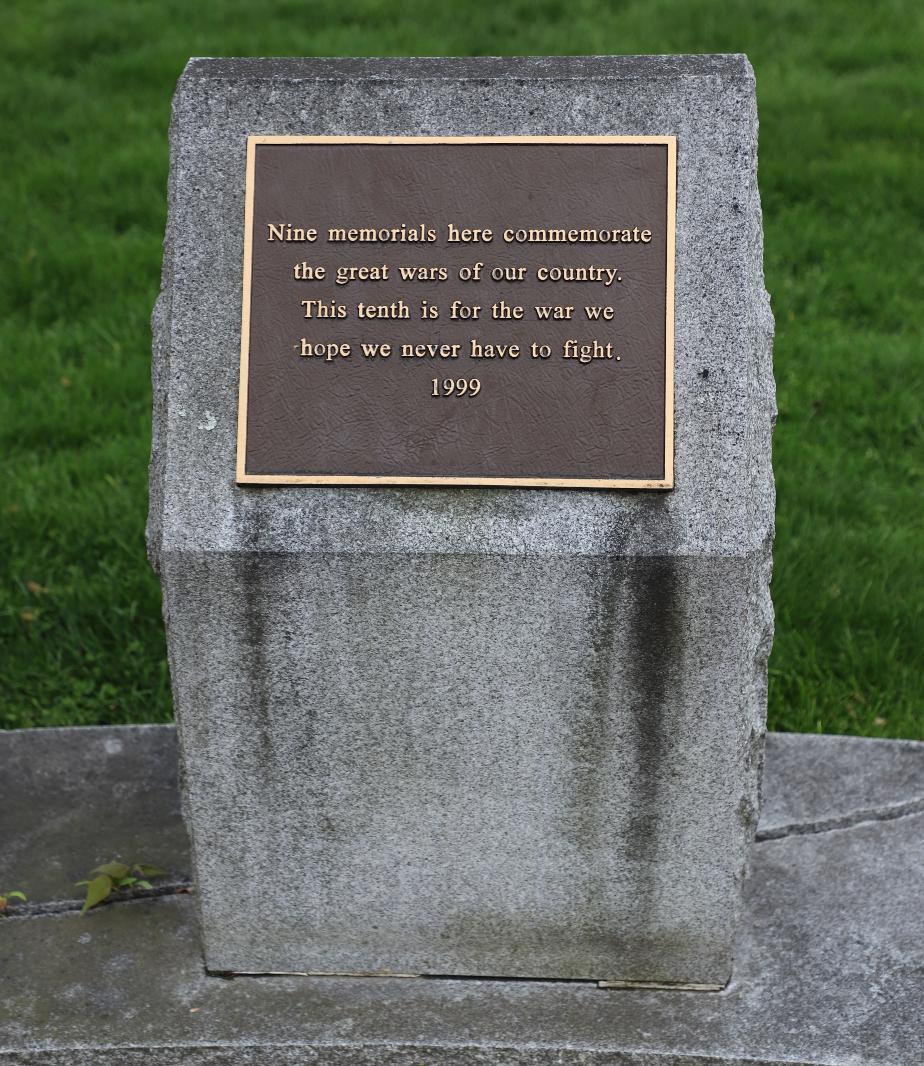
<point>592,736</point>
<point>653,656</point>
<point>285,766</point>
<point>636,642</point>
<point>592,733</point>
<point>638,599</point>
<point>263,579</point>
<point>249,567</point>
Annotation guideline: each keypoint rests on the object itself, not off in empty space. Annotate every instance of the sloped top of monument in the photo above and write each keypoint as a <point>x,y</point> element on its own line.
<point>728,66</point>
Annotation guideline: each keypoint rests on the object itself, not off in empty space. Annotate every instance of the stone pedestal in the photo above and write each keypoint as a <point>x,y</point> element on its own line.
<point>498,732</point>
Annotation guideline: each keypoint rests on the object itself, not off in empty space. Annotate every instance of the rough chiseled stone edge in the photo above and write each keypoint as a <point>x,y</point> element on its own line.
<point>762,501</point>
<point>160,373</point>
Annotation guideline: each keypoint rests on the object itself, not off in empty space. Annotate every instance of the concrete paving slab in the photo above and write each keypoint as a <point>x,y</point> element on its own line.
<point>820,782</point>
<point>829,965</point>
<point>73,798</point>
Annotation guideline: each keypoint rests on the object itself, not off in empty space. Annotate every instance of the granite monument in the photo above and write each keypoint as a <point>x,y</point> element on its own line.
<point>468,680</point>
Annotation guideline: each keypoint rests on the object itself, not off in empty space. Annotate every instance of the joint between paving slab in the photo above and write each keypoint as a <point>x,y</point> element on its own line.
<point>595,982</point>
<point>863,816</point>
<point>854,819</point>
<point>68,906</point>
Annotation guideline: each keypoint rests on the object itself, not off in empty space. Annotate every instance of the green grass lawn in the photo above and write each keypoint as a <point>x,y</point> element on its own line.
<point>85,99</point>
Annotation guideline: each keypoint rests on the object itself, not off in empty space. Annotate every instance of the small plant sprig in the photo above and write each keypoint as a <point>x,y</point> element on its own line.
<point>111,876</point>
<point>5,898</point>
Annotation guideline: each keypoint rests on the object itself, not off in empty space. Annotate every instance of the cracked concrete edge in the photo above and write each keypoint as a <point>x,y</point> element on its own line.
<point>858,817</point>
<point>461,1054</point>
<point>817,783</point>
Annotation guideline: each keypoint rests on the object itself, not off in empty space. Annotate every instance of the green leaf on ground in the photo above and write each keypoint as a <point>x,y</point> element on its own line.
<point>115,870</point>
<point>146,870</point>
<point>97,890</point>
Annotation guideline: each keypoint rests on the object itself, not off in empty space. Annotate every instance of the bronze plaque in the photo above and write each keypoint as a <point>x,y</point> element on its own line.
<point>458,311</point>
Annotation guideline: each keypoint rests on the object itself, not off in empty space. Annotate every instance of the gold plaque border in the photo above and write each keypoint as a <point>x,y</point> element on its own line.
<point>243,478</point>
